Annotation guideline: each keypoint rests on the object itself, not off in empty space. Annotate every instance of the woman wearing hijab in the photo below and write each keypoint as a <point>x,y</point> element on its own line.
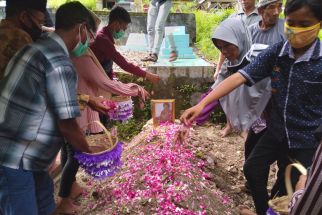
<point>245,104</point>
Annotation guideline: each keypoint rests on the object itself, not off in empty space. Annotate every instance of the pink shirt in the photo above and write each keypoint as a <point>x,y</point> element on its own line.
<point>92,80</point>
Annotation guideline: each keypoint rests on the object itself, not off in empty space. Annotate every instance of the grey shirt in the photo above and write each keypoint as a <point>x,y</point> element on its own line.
<point>270,36</point>
<point>252,18</point>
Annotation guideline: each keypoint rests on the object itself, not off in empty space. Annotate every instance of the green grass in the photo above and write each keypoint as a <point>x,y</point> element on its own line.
<point>90,4</point>
<point>205,24</point>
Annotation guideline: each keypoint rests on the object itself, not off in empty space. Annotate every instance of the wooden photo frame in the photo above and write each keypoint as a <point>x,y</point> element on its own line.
<point>163,110</point>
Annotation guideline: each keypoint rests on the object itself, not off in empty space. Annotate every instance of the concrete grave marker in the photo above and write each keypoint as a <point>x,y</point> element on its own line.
<point>136,42</point>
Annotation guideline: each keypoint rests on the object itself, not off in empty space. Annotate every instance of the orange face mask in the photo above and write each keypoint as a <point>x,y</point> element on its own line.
<point>300,37</point>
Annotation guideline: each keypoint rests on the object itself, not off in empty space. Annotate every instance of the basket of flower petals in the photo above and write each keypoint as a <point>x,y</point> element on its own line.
<point>123,110</point>
<point>105,157</point>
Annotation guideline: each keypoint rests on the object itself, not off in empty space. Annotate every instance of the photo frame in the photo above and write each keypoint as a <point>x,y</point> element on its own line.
<point>163,110</point>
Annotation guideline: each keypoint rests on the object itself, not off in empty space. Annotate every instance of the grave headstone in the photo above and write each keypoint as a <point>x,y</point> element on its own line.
<point>136,42</point>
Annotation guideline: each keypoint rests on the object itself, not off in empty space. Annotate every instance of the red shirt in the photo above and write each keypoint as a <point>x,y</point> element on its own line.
<point>104,49</point>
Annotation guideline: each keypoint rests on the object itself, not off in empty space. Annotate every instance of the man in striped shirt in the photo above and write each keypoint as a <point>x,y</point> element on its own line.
<point>38,107</point>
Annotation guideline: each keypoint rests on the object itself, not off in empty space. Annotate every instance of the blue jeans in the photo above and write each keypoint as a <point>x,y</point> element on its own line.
<point>25,192</point>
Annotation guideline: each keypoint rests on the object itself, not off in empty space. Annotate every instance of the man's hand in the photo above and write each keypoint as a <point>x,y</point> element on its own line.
<point>152,77</point>
<point>301,183</point>
<point>95,103</point>
<point>73,134</point>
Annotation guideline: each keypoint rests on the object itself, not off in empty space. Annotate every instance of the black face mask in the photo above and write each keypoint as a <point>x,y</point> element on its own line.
<point>34,31</point>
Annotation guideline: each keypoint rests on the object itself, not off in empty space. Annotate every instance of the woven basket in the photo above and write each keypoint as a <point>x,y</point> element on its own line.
<point>101,143</point>
<point>279,205</point>
<point>105,157</point>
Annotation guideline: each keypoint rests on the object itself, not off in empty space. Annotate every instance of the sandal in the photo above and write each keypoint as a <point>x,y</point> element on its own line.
<point>173,56</point>
<point>151,57</point>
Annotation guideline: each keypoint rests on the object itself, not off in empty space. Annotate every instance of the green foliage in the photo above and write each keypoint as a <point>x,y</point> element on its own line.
<point>320,34</point>
<point>185,91</point>
<point>186,7</point>
<point>127,130</point>
<point>206,22</point>
<point>90,4</point>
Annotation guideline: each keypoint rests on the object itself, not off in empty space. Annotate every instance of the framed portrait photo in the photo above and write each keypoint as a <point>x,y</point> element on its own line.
<point>163,111</point>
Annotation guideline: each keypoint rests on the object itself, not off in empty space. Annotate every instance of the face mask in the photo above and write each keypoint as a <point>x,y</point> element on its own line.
<point>301,37</point>
<point>80,48</point>
<point>118,35</point>
<point>34,31</point>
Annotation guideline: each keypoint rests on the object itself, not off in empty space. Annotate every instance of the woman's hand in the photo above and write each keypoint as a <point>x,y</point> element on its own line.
<point>144,95</point>
<point>95,103</point>
<point>216,75</point>
<point>190,114</point>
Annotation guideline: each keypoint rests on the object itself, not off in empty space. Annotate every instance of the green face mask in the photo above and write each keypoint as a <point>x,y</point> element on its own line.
<point>80,48</point>
<point>118,35</point>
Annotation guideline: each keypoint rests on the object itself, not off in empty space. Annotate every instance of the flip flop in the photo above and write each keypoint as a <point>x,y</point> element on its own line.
<point>150,57</point>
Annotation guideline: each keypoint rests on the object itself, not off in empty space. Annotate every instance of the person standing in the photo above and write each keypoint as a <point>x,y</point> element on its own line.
<point>21,26</point>
<point>157,16</point>
<point>38,107</point>
<point>270,29</point>
<point>104,46</point>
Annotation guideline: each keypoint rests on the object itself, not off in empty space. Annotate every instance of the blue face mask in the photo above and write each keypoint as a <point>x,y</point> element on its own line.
<point>118,35</point>
<point>80,48</point>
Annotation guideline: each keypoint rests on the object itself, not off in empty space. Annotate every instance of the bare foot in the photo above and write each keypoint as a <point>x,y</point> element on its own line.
<point>66,207</point>
<point>226,131</point>
<point>76,190</point>
<point>244,210</point>
<point>244,134</point>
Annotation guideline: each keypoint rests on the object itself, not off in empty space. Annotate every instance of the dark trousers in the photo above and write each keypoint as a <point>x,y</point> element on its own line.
<point>256,169</point>
<point>251,140</point>
<point>69,170</point>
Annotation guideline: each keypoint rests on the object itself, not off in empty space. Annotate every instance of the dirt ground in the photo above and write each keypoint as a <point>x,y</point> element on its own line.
<point>224,162</point>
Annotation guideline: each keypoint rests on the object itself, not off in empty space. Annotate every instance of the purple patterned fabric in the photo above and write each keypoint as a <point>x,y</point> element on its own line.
<point>103,165</point>
<point>204,115</point>
<point>123,112</point>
